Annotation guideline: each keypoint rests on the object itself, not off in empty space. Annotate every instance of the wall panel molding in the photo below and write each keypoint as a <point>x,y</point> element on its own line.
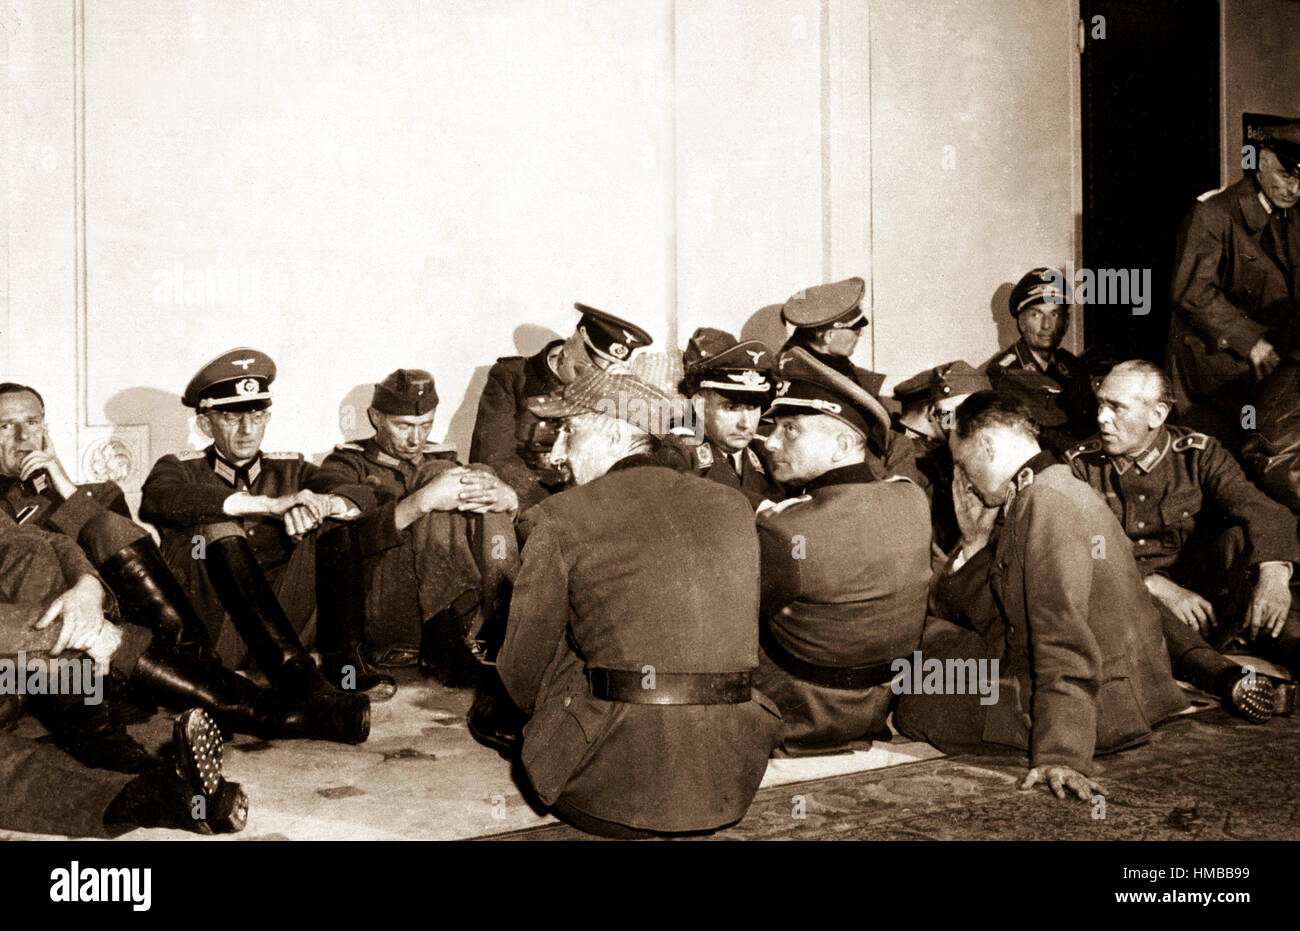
<point>105,452</point>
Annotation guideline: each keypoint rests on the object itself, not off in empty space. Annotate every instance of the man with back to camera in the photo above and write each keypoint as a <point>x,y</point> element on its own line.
<point>632,634</point>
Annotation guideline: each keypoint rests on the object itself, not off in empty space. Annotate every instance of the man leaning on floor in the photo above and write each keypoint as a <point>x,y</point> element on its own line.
<point>1045,584</point>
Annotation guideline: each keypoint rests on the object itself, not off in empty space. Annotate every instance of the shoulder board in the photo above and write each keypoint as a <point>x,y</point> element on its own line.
<point>266,455</point>
<point>351,447</point>
<point>1008,359</point>
<point>898,478</point>
<point>438,448</point>
<point>1191,441</point>
<point>510,359</point>
<point>682,431</point>
<point>776,507</point>
<point>1091,446</point>
<point>190,454</point>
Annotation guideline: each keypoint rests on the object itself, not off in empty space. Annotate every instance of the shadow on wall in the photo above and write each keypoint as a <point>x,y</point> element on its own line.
<point>766,325</point>
<point>168,420</point>
<point>1008,332</point>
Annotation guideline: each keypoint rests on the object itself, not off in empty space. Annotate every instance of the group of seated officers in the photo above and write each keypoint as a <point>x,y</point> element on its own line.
<point>652,591</point>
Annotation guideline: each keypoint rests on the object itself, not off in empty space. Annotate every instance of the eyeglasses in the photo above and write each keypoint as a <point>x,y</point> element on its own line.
<point>230,419</point>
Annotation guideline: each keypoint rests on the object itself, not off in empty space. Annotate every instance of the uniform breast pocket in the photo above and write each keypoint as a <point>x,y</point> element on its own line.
<point>1178,510</point>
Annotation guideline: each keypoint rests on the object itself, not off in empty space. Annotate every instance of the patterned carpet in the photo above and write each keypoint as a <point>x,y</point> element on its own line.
<point>1203,777</point>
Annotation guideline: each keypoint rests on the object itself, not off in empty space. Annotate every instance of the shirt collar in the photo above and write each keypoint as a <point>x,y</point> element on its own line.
<point>375,453</point>
<point>1149,458</point>
<point>1024,476</point>
<point>857,473</point>
<point>232,474</point>
<point>1026,356</point>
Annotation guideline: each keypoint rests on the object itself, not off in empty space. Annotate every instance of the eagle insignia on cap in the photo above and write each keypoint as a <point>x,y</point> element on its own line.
<point>750,378</point>
<point>243,363</point>
<point>754,356</point>
<point>247,386</point>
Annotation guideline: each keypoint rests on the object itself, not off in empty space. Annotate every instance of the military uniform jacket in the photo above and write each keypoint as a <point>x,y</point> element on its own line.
<point>1230,289</point>
<point>38,564</point>
<point>642,567</point>
<point>846,566</point>
<point>189,489</point>
<point>1273,452</point>
<point>1083,665</point>
<point>753,480</point>
<point>389,478</point>
<point>1058,396</point>
<point>48,509</point>
<point>508,436</point>
<point>1182,482</point>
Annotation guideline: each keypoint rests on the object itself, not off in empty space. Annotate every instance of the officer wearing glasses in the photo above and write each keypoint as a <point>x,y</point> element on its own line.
<point>243,529</point>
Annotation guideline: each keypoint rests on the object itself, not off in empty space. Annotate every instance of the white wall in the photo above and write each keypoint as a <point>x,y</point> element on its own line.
<point>1260,41</point>
<point>354,186</point>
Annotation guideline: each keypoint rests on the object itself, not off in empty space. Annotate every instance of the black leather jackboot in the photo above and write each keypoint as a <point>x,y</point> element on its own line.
<point>251,603</point>
<point>185,676</point>
<point>150,596</point>
<point>341,616</point>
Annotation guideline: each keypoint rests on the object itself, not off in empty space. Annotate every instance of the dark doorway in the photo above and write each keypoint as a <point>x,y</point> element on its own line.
<point>1150,147</point>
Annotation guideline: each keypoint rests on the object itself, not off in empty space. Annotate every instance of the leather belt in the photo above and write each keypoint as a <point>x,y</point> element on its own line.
<point>670,688</point>
<point>832,677</point>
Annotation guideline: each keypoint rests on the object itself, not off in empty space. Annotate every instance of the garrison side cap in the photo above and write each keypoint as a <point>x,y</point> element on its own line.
<point>809,386</point>
<point>408,392</point>
<point>839,304</point>
<point>238,377</point>
<point>611,338</point>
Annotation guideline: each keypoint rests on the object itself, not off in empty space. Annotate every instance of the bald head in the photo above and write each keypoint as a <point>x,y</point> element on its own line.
<point>1133,402</point>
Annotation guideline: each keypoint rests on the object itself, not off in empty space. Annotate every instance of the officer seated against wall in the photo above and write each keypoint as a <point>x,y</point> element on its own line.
<point>436,551</point>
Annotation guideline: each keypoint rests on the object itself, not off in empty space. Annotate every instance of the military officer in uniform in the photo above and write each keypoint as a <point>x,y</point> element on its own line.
<point>845,564</point>
<point>239,530</point>
<point>828,320</point>
<point>1216,553</point>
<point>508,436</point>
<point>1036,371</point>
<point>91,522</point>
<point>729,384</point>
<point>437,548</point>
<point>632,635</point>
<point>929,401</point>
<point>1236,289</point>
<point>1080,659</point>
